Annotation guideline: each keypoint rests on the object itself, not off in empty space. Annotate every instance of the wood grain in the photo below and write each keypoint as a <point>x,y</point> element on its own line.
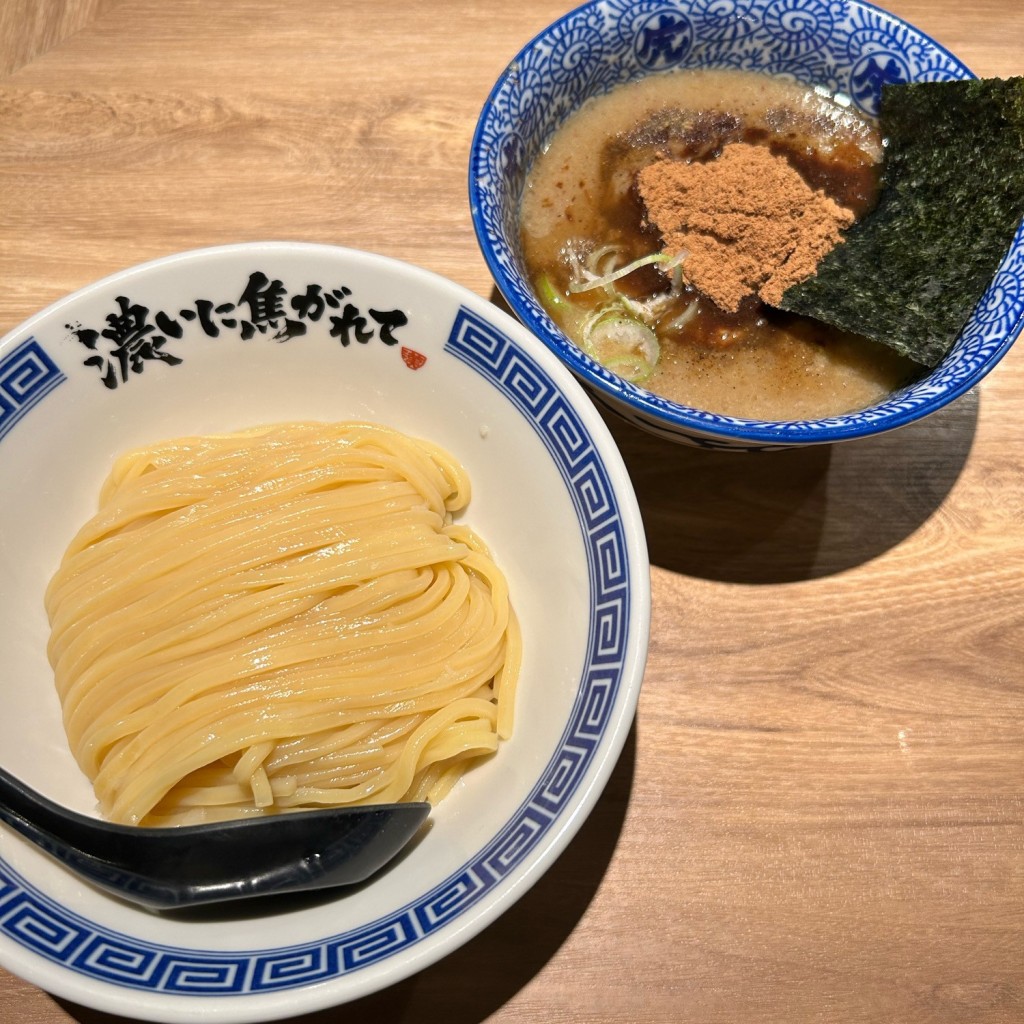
<point>818,816</point>
<point>29,28</point>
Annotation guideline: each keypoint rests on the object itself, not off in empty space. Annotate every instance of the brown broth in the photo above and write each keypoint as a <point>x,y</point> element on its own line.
<point>581,195</point>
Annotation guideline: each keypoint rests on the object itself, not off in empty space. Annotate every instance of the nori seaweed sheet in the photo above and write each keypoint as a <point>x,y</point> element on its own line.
<point>911,271</point>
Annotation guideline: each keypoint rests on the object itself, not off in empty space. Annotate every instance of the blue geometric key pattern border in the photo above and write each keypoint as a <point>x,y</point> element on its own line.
<point>38,923</point>
<point>27,376</point>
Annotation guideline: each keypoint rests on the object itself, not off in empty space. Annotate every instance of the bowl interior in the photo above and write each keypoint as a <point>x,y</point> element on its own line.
<point>224,339</point>
<point>849,48</point>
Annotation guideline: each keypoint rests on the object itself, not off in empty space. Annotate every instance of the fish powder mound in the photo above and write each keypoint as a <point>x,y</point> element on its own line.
<point>747,221</point>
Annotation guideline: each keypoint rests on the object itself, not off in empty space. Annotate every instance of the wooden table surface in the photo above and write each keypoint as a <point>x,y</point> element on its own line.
<point>818,815</point>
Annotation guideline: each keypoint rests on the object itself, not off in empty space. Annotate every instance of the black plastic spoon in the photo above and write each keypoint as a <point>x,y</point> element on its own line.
<point>166,868</point>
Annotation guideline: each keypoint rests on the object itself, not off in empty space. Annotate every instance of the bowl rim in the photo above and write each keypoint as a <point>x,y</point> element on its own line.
<point>674,418</point>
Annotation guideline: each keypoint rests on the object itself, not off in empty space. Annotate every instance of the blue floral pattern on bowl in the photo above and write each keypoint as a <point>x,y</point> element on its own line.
<point>849,47</point>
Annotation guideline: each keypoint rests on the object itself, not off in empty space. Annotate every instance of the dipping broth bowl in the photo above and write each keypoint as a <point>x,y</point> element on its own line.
<point>849,48</point>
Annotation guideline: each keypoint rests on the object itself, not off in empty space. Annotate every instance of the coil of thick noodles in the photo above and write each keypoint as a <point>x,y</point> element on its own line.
<point>280,618</point>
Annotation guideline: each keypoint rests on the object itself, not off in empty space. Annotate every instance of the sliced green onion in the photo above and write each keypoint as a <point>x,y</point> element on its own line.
<point>549,295</point>
<point>679,322</point>
<point>616,333</point>
<point>598,256</point>
<point>677,281</point>
<point>654,257</point>
<point>634,308</point>
<point>622,344</point>
<point>633,368</point>
<point>649,310</point>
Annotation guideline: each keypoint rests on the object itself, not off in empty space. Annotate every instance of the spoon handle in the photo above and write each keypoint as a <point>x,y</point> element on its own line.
<point>47,824</point>
<point>164,868</point>
<point>22,807</point>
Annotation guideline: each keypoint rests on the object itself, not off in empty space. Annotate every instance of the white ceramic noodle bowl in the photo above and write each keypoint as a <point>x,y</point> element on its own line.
<point>222,339</point>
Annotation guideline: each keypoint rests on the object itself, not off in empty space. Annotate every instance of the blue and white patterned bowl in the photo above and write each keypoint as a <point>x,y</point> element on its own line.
<point>222,339</point>
<point>844,45</point>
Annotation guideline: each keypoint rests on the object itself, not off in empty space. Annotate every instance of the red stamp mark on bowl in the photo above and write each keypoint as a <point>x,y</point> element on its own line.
<point>413,359</point>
